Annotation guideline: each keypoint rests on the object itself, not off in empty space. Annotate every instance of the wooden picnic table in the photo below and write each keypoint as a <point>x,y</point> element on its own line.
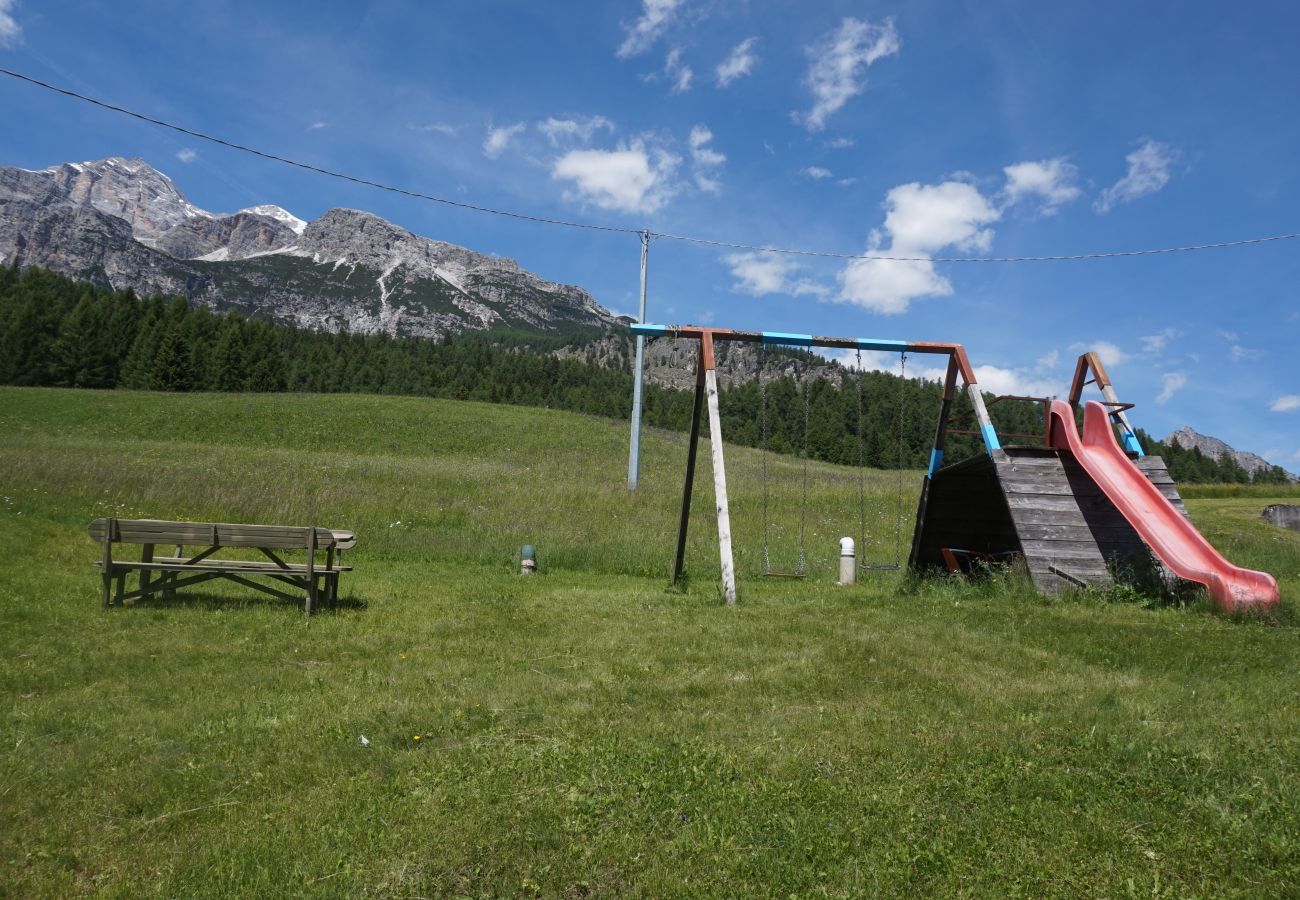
<point>194,560</point>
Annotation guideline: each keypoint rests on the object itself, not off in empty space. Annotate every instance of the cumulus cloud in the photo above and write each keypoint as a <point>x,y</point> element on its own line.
<point>739,63</point>
<point>1050,182</point>
<point>1148,171</point>
<point>1238,353</point>
<point>679,74</point>
<point>1171,383</point>
<point>10,31</point>
<point>921,220</point>
<point>705,161</point>
<point>442,128</point>
<point>187,155</point>
<point>656,16</point>
<point>838,64</point>
<point>817,173</point>
<point>558,131</point>
<point>1286,403</point>
<point>1156,343</point>
<point>993,379</point>
<point>498,139</point>
<point>760,274</point>
<point>1108,353</point>
<point>631,178</point>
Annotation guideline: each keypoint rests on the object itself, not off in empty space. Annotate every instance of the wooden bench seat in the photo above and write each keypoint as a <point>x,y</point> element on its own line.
<point>315,578</point>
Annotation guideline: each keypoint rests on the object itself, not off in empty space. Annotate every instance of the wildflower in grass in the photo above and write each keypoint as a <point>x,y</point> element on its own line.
<point>415,737</point>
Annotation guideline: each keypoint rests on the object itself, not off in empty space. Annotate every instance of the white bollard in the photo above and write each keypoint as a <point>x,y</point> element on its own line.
<point>848,561</point>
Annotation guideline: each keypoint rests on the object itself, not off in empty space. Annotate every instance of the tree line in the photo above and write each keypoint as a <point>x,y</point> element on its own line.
<point>55,331</point>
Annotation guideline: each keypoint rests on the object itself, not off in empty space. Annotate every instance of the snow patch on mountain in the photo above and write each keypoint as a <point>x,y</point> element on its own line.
<point>271,211</point>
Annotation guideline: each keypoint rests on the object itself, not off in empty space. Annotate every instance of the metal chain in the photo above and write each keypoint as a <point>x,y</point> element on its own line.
<point>862,461</point>
<point>902,428</point>
<point>803,511</point>
<point>762,394</point>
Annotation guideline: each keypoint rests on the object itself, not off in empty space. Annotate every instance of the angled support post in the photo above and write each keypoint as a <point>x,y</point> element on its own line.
<point>1090,361</point>
<point>691,453</point>
<point>719,467</point>
<point>936,456</point>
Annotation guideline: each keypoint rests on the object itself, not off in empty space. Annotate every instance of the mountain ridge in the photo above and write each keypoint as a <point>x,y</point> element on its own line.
<point>123,223</point>
<point>1189,438</point>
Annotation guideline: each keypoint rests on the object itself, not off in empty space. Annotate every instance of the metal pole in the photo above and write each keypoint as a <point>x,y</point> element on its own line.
<point>634,453</point>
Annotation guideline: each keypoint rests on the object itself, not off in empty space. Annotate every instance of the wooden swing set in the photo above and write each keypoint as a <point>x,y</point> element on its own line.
<point>706,397</point>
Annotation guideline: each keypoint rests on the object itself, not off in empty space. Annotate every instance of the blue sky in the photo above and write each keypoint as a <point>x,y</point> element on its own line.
<point>923,129</point>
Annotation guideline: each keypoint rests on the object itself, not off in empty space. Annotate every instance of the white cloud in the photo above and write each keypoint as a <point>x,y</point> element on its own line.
<point>993,379</point>
<point>656,16</point>
<point>1239,353</point>
<point>1286,403</point>
<point>677,73</point>
<point>847,182</point>
<point>1050,181</point>
<point>186,155</point>
<point>760,274</point>
<point>317,126</point>
<point>1108,353</point>
<point>921,220</point>
<point>841,143</point>
<point>739,63</point>
<point>628,179</point>
<point>10,31</point>
<point>559,130</point>
<point>705,160</point>
<point>1156,343</point>
<point>839,62</point>
<point>1172,383</point>
<point>439,127</point>
<point>1228,335</point>
<point>498,139</point>
<point>1148,172</point>
<point>817,172</point>
<point>1048,360</point>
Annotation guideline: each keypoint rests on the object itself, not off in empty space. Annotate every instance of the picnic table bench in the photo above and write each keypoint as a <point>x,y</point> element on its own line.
<point>315,579</point>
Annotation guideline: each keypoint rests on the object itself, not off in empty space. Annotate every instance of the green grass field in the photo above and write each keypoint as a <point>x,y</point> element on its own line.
<point>590,732</point>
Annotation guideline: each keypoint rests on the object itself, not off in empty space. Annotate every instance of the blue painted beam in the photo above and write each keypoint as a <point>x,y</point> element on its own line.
<point>872,344</point>
<point>650,330</point>
<point>781,337</point>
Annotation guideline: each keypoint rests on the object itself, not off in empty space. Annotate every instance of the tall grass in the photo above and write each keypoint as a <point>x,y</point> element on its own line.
<point>588,732</point>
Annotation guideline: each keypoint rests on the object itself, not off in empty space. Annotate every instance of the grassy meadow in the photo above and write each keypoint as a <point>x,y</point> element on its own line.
<point>457,730</point>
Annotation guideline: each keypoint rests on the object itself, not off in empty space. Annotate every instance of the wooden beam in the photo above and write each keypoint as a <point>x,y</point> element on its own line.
<point>719,471</point>
<point>691,453</point>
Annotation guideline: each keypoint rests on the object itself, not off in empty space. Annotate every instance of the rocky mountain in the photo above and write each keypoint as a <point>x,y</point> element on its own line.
<point>123,223</point>
<point>1188,438</point>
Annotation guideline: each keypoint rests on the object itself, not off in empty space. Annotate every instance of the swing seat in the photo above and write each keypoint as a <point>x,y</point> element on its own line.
<point>784,575</point>
<point>880,567</point>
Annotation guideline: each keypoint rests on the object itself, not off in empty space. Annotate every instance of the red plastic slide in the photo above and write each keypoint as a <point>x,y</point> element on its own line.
<point>1164,528</point>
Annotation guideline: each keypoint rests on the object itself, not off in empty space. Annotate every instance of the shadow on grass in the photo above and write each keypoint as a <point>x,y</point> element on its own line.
<point>208,602</point>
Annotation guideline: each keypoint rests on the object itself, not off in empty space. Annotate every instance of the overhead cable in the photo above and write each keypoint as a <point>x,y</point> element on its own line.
<point>591,226</point>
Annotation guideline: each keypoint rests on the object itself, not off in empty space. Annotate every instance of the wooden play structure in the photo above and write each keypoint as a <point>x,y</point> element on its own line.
<point>1077,508</point>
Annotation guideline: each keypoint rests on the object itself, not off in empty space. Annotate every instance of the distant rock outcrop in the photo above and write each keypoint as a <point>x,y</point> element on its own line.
<point>123,223</point>
<point>1189,439</point>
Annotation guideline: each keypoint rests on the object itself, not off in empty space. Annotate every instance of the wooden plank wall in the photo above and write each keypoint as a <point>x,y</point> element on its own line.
<point>1042,503</point>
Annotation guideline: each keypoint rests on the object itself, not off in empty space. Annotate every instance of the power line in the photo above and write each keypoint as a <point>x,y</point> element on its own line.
<point>590,226</point>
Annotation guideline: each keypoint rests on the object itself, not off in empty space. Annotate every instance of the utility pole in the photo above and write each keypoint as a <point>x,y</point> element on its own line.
<point>634,453</point>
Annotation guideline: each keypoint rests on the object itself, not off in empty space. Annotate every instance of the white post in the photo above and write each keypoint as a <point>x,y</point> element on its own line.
<point>720,487</point>
<point>634,453</point>
<point>848,561</point>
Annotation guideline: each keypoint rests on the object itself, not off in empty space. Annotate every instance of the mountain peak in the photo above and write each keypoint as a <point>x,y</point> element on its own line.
<point>271,211</point>
<point>1189,438</point>
<point>121,220</point>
